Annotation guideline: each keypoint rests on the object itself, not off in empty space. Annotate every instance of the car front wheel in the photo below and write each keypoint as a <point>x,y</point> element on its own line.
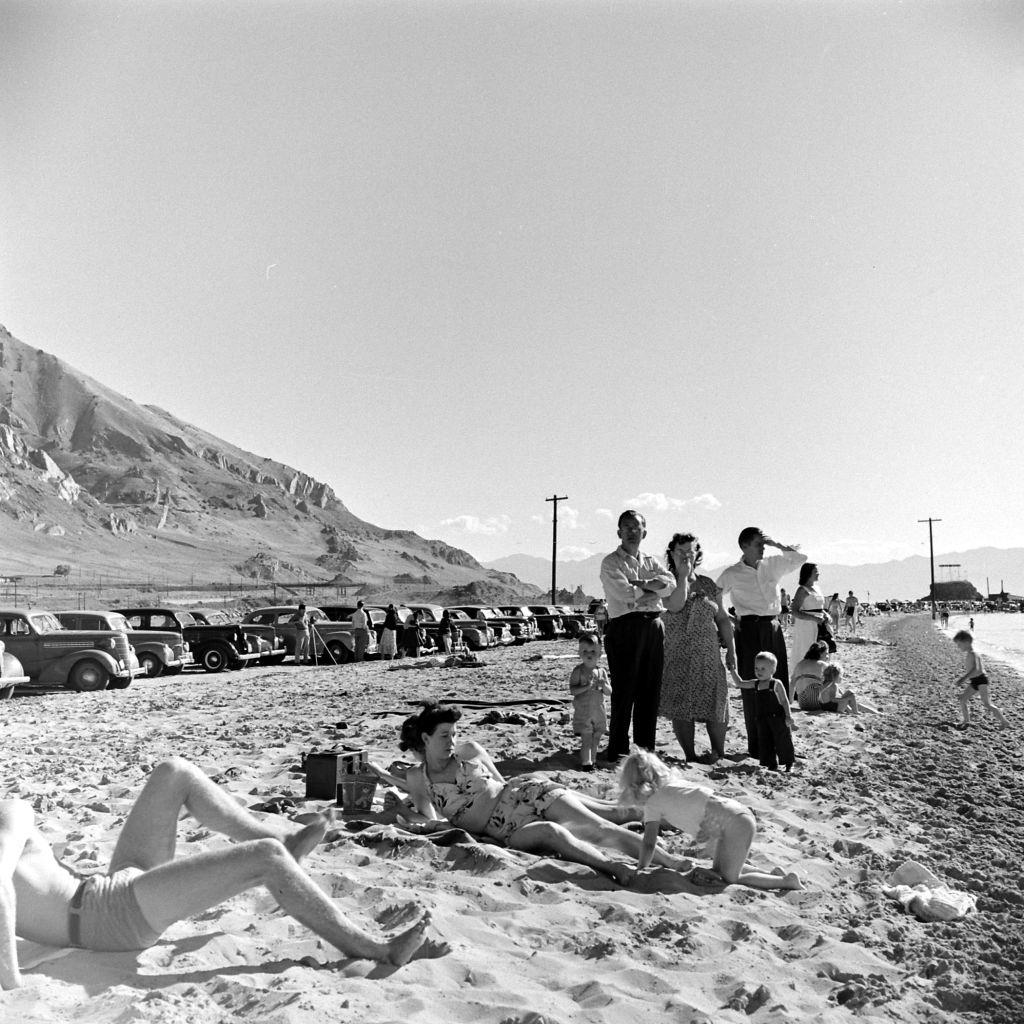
<point>88,675</point>
<point>152,664</point>
<point>214,659</point>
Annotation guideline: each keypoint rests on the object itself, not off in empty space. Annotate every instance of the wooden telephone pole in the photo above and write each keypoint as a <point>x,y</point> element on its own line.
<point>931,556</point>
<point>554,499</point>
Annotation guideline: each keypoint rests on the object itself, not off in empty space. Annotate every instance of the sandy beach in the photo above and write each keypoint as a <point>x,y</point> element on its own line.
<point>536,939</point>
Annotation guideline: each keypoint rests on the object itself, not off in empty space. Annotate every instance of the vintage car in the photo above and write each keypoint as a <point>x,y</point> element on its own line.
<point>495,620</point>
<point>330,642</point>
<point>476,635</point>
<point>214,647</point>
<point>522,621</point>
<point>159,653</point>
<point>51,655</point>
<point>343,613</point>
<point>11,673</point>
<point>549,621</point>
<point>575,622</point>
<point>271,643</point>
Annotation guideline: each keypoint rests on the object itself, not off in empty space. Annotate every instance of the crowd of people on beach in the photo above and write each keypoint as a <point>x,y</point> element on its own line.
<point>673,647</point>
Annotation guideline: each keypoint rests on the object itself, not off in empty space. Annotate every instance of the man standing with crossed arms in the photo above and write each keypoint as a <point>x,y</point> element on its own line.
<point>634,638</point>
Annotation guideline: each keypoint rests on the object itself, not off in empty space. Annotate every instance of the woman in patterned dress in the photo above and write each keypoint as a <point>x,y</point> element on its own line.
<point>694,687</point>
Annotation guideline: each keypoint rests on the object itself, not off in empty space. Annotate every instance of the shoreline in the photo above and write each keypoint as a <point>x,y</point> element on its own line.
<point>572,946</point>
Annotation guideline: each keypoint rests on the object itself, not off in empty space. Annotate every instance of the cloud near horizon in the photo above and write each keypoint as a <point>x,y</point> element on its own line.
<point>659,502</point>
<point>574,554</point>
<point>489,527</point>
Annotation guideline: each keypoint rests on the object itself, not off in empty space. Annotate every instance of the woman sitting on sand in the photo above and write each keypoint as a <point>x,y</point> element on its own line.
<point>817,686</point>
<point>725,827</point>
<point>459,783</point>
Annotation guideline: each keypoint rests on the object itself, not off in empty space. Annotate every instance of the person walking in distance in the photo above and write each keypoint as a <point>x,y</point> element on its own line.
<point>634,637</point>
<point>753,585</point>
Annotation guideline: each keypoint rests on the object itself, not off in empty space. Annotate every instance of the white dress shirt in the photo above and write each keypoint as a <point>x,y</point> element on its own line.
<point>756,591</point>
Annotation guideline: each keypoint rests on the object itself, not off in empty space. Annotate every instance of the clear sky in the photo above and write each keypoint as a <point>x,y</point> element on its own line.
<point>732,263</point>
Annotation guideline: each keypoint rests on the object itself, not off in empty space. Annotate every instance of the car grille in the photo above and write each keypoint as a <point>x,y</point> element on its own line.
<point>122,648</point>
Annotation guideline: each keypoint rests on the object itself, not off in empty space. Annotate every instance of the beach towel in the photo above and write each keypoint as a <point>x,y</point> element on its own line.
<point>923,894</point>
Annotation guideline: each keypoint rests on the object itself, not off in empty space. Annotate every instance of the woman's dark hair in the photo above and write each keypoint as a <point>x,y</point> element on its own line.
<point>817,650</point>
<point>410,736</point>
<point>683,538</point>
<point>805,572</point>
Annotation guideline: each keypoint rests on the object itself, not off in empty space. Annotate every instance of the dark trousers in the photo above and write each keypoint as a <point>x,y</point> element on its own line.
<point>635,645</point>
<point>755,634</point>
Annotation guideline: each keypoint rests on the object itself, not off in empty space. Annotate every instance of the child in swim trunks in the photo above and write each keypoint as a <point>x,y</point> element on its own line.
<point>724,827</point>
<point>588,685</point>
<point>975,679</point>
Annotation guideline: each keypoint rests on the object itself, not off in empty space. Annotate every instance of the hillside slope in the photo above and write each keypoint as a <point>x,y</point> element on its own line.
<point>93,480</point>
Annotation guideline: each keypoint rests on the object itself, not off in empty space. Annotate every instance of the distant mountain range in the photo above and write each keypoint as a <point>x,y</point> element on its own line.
<point>904,579</point>
<point>92,483</point>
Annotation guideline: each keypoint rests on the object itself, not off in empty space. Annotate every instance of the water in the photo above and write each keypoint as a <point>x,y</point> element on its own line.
<point>996,635</point>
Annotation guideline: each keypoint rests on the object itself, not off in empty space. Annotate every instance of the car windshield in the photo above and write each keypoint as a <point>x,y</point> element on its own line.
<point>217,618</point>
<point>46,622</point>
<point>186,619</point>
<point>119,622</point>
<point>461,616</point>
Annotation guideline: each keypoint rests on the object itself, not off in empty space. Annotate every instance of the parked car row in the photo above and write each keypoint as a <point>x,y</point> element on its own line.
<point>94,650</point>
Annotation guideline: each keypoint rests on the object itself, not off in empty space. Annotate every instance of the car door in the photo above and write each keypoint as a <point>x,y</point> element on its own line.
<point>21,641</point>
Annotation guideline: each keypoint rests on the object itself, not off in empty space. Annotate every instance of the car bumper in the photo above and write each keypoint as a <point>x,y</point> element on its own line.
<point>246,658</point>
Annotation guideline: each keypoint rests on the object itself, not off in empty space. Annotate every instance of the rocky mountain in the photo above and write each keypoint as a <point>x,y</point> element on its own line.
<point>97,484</point>
<point>904,579</point>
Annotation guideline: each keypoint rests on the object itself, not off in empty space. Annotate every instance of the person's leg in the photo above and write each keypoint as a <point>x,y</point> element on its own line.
<point>550,837</point>
<point>620,646</point>
<point>747,649</point>
<point>731,855</point>
<point>588,746</point>
<point>716,735</point>
<point>965,695</point>
<point>684,733</point>
<point>584,824</point>
<point>846,703</point>
<point>989,706</point>
<point>149,835</point>
<point>650,666</point>
<point>609,810</point>
<point>181,888</point>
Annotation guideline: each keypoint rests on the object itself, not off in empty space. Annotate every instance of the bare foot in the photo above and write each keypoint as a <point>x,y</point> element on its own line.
<point>683,864</point>
<point>403,947</point>
<point>788,879</point>
<point>309,836</point>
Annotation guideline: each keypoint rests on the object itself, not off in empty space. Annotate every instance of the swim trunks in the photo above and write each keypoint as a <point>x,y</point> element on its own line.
<point>105,915</point>
<point>979,680</point>
<point>522,802</point>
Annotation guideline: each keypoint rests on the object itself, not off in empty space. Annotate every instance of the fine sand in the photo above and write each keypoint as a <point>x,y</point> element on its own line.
<point>536,939</point>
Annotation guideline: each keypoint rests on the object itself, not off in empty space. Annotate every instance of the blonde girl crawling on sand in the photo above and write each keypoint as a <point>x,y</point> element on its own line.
<point>725,827</point>
<point>975,679</point>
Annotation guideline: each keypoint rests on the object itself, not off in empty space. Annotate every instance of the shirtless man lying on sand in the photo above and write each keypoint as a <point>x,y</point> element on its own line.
<point>146,889</point>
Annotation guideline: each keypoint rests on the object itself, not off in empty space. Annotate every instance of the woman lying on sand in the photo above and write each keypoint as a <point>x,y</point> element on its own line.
<point>146,889</point>
<point>725,827</point>
<point>459,783</point>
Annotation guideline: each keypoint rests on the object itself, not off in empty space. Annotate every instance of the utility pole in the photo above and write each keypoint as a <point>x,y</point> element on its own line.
<point>554,499</point>
<point>931,556</point>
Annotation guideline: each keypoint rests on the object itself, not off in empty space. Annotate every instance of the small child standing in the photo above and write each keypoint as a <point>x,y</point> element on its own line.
<point>774,719</point>
<point>975,679</point>
<point>725,827</point>
<point>588,685</point>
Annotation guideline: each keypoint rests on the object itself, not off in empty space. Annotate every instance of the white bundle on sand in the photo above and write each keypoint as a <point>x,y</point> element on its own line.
<point>925,895</point>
